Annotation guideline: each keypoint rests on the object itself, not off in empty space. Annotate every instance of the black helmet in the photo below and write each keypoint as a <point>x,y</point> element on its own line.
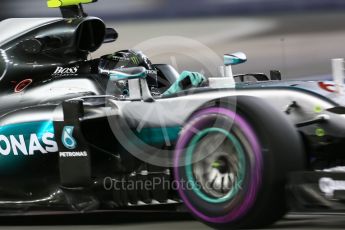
<point>125,59</point>
<point>131,58</point>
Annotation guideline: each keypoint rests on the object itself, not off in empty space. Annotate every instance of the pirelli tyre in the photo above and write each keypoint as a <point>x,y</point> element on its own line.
<point>231,162</point>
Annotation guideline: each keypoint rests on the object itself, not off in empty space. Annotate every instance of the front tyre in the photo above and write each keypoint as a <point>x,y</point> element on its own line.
<point>231,163</point>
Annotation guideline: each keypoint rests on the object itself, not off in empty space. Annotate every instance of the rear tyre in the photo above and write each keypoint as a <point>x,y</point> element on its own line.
<point>231,163</point>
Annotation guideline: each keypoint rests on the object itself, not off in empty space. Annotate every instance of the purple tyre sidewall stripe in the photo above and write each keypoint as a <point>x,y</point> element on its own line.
<point>255,174</point>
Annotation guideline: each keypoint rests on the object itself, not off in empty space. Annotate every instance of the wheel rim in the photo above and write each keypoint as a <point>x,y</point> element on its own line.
<point>254,172</point>
<point>217,178</point>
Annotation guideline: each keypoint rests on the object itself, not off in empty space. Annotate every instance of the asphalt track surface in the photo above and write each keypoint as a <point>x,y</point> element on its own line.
<point>166,222</point>
<point>300,45</point>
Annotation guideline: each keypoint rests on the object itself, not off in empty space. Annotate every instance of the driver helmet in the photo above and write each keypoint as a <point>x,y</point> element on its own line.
<point>125,59</point>
<point>128,59</point>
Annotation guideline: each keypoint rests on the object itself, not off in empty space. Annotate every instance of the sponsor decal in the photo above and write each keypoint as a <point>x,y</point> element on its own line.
<point>27,139</point>
<point>329,87</point>
<point>61,71</point>
<point>36,138</point>
<point>73,154</point>
<point>153,72</point>
<point>18,145</point>
<point>67,138</point>
<point>22,85</point>
<point>70,143</point>
<point>329,186</point>
<point>117,58</point>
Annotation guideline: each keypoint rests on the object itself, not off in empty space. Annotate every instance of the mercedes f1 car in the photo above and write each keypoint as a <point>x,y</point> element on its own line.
<point>121,133</point>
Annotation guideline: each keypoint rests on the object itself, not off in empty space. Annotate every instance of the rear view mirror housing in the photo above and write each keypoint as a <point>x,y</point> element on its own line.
<point>137,84</point>
<point>234,59</point>
<point>275,75</point>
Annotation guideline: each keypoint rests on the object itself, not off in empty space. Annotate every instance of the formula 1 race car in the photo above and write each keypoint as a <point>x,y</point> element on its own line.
<point>121,133</point>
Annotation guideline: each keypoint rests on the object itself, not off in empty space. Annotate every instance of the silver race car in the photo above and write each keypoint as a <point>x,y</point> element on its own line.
<point>121,133</point>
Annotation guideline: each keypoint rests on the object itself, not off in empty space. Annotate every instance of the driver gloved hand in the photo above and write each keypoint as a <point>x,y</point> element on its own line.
<point>186,80</point>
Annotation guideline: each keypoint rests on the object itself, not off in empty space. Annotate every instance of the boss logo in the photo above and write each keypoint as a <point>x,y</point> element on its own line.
<point>61,70</point>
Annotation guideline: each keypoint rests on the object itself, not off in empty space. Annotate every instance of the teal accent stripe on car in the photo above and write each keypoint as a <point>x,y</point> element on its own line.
<point>158,135</point>
<point>230,60</point>
<point>38,127</point>
<point>26,130</point>
<point>23,141</point>
<point>123,76</point>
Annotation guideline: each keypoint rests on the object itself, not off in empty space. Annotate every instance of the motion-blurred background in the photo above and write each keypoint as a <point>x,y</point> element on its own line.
<point>298,37</point>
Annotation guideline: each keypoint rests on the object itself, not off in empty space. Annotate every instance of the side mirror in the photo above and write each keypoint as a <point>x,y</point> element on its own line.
<point>110,35</point>
<point>137,84</point>
<point>127,73</point>
<point>234,59</point>
<point>275,75</point>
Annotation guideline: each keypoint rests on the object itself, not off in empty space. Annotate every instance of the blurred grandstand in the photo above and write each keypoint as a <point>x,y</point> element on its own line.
<point>298,37</point>
<point>128,9</point>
